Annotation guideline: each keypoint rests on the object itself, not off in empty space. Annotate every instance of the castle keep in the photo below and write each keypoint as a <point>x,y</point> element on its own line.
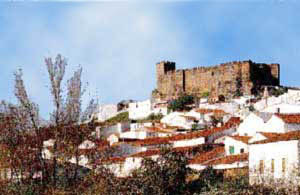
<point>228,79</point>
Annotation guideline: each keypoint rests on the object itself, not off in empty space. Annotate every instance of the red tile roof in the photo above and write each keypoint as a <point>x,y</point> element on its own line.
<point>147,153</point>
<point>151,141</point>
<point>214,111</point>
<point>290,118</point>
<point>229,159</point>
<point>191,118</point>
<point>293,135</point>
<point>196,148</point>
<point>233,122</point>
<point>244,139</point>
<point>112,160</point>
<point>204,111</point>
<point>269,135</point>
<point>204,157</point>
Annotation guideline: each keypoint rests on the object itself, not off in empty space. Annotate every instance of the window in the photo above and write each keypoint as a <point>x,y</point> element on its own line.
<point>261,167</point>
<point>273,166</point>
<point>283,165</point>
<point>242,150</point>
<point>231,149</point>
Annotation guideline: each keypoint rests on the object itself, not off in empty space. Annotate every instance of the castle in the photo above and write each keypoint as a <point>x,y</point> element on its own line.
<point>224,80</point>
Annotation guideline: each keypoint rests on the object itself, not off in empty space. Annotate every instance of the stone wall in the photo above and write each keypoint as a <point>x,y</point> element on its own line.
<point>226,79</point>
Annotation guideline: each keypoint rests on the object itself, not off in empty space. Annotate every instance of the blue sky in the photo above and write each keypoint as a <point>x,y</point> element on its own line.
<point>118,43</point>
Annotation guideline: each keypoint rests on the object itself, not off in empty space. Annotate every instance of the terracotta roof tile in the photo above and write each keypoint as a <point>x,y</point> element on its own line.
<point>293,135</point>
<point>244,139</point>
<point>204,157</point>
<point>234,121</point>
<point>204,111</point>
<point>196,148</point>
<point>290,118</point>
<point>151,141</point>
<point>229,159</point>
<point>191,118</point>
<point>269,134</point>
<point>214,111</point>
<point>147,153</point>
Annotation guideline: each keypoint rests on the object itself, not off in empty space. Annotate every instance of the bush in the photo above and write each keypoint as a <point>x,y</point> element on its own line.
<point>278,91</point>
<point>122,117</point>
<point>205,94</point>
<point>181,103</point>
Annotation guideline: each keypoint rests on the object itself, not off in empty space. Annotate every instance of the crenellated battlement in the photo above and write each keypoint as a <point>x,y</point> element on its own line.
<point>226,79</point>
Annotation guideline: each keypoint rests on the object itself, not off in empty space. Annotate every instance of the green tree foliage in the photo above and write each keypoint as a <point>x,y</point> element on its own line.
<point>181,103</point>
<point>152,118</point>
<point>167,175</point>
<point>121,117</point>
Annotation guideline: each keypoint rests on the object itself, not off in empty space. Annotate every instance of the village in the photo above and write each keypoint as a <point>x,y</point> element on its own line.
<point>256,136</point>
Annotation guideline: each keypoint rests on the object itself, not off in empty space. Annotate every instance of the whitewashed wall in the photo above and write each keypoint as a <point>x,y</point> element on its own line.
<point>238,145</point>
<point>177,119</point>
<point>189,142</point>
<point>292,127</point>
<point>160,110</point>
<point>106,111</point>
<point>139,110</point>
<point>277,151</point>
<point>275,125</point>
<point>220,134</point>
<point>115,129</point>
<point>257,137</point>
<point>251,125</point>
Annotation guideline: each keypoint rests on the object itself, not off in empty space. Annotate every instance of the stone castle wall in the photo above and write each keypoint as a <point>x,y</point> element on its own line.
<point>225,79</point>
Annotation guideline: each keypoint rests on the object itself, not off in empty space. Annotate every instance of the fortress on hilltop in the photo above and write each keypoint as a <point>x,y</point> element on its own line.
<point>228,79</point>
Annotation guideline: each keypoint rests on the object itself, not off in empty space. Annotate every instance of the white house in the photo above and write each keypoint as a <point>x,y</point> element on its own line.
<point>207,136</point>
<point>160,108</point>
<point>230,162</point>
<point>253,123</point>
<point>189,142</point>
<point>106,111</point>
<point>139,110</point>
<point>283,108</point>
<point>114,129</point>
<point>282,123</point>
<point>199,162</point>
<point>113,138</point>
<point>138,134</point>
<point>87,144</point>
<point>260,136</point>
<point>124,166</point>
<point>287,103</point>
<point>178,119</point>
<point>275,159</point>
<point>236,144</point>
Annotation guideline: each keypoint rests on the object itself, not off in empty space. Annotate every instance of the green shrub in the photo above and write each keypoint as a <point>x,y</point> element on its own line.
<point>181,103</point>
<point>122,117</point>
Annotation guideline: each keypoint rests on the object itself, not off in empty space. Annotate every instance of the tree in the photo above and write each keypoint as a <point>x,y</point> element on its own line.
<point>25,133</point>
<point>181,103</point>
<point>166,175</point>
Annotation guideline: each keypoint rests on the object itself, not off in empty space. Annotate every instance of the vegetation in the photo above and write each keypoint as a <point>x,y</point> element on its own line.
<point>22,156</point>
<point>278,91</point>
<point>181,103</point>
<point>121,117</point>
<point>152,118</point>
<point>251,108</point>
<point>205,94</point>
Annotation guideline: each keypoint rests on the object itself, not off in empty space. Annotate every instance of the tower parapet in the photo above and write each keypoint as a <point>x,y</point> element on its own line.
<point>227,79</point>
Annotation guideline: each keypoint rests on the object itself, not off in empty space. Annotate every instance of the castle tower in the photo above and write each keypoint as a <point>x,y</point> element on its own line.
<point>165,66</point>
<point>162,68</point>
